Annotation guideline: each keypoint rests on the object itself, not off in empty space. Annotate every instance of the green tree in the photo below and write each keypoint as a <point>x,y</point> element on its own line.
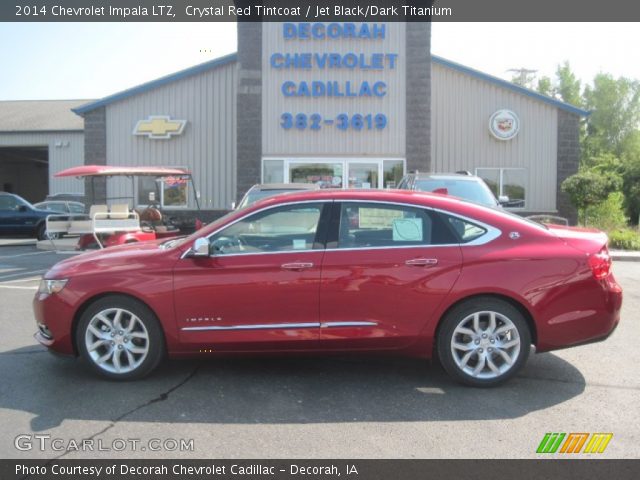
<point>589,188</point>
<point>568,86</point>
<point>615,106</point>
<point>545,87</point>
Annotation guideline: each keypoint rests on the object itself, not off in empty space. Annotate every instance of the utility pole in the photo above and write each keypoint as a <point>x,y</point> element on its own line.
<point>523,75</point>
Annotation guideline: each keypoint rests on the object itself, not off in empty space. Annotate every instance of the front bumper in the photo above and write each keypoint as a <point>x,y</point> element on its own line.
<point>54,319</point>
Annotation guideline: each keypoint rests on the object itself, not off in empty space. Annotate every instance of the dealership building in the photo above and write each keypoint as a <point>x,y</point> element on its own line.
<point>340,104</point>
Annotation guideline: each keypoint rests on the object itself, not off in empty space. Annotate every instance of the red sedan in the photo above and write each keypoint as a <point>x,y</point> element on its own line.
<point>334,271</point>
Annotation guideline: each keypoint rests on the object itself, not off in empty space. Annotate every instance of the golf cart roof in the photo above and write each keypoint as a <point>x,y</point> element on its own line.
<point>112,170</point>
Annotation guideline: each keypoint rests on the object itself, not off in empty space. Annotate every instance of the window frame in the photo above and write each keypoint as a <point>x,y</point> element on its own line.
<point>319,241</point>
<point>501,171</point>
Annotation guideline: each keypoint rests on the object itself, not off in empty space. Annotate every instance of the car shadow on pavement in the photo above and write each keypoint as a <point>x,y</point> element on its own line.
<point>275,390</point>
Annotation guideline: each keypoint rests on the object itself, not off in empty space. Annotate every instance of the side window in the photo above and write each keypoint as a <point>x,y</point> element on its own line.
<point>287,228</point>
<point>76,208</point>
<point>8,203</point>
<point>364,225</point>
<point>465,230</point>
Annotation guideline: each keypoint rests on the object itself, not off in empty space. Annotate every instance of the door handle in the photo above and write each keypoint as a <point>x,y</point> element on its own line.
<point>297,266</point>
<point>421,262</point>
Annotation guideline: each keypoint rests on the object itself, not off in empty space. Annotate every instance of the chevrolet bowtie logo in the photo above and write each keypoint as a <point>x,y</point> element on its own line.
<point>159,126</point>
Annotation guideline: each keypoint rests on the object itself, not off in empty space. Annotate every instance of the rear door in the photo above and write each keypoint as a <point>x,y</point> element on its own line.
<point>387,267</point>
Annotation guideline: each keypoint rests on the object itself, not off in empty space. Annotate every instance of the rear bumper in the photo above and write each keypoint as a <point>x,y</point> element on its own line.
<point>597,319</point>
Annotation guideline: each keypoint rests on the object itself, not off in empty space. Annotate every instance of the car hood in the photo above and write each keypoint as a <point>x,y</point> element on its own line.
<point>119,258</point>
<point>589,240</point>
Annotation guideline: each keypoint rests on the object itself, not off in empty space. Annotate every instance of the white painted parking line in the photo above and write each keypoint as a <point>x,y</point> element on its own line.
<point>30,279</point>
<point>32,272</point>
<point>23,254</point>
<point>18,287</point>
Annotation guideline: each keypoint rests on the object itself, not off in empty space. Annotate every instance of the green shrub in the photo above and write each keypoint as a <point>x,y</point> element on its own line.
<point>624,239</point>
<point>608,215</point>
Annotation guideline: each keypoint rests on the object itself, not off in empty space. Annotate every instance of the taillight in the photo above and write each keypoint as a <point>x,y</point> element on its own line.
<point>600,264</point>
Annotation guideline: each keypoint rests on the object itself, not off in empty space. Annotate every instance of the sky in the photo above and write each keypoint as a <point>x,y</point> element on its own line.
<point>93,60</point>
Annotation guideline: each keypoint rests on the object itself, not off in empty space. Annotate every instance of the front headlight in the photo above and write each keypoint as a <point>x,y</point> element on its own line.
<point>51,286</point>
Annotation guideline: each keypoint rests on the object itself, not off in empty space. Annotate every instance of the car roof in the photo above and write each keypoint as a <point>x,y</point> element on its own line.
<point>285,186</point>
<point>444,203</point>
<point>446,176</point>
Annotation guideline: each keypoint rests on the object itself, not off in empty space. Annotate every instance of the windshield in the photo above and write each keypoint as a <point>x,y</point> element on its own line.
<point>474,191</point>
<point>198,233</point>
<point>255,195</point>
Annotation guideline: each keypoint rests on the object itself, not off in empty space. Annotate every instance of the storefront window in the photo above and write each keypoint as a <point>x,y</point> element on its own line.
<point>363,175</point>
<point>393,171</point>
<point>327,175</point>
<point>273,171</point>
<point>506,182</point>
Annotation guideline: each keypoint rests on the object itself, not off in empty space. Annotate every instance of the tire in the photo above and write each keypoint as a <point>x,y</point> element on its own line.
<point>483,352</point>
<point>120,338</point>
<point>41,231</point>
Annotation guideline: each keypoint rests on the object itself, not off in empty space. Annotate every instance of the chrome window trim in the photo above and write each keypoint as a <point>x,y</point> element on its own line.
<point>492,232</point>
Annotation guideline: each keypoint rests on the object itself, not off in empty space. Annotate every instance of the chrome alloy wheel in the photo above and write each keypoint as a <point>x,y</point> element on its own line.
<point>117,341</point>
<point>485,345</point>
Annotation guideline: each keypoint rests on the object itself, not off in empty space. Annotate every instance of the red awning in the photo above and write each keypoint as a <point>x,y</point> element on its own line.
<point>111,170</point>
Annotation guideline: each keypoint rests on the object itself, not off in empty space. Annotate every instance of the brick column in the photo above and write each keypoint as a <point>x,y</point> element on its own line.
<point>418,109</point>
<point>95,152</point>
<point>249,106</point>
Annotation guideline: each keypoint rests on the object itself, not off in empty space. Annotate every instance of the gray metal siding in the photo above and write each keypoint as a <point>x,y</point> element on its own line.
<point>69,154</point>
<point>460,111</point>
<point>330,140</point>
<point>206,146</point>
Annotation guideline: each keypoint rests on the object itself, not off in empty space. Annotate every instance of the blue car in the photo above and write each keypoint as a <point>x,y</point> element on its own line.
<point>19,217</point>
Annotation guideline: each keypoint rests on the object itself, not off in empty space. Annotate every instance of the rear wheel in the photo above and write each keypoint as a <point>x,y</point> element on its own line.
<point>483,342</point>
<point>120,338</point>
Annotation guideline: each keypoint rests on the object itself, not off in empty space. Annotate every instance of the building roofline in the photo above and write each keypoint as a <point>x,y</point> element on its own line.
<point>47,130</point>
<point>511,86</point>
<point>227,59</point>
<point>202,67</point>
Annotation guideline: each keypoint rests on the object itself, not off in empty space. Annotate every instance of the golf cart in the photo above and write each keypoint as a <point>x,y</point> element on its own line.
<point>118,221</point>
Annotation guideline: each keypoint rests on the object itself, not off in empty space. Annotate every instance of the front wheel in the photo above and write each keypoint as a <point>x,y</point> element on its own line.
<point>483,342</point>
<point>41,232</point>
<point>120,338</point>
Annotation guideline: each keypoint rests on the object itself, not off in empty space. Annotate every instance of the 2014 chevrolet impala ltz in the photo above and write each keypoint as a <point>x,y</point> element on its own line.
<point>337,270</point>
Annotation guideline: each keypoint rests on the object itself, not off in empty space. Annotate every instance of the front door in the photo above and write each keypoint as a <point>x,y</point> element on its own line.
<point>259,287</point>
<point>386,269</point>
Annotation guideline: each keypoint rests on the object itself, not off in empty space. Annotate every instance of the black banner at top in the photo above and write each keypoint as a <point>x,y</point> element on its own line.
<point>317,10</point>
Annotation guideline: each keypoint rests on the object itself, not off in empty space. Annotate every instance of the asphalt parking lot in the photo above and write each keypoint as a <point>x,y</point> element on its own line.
<point>354,407</point>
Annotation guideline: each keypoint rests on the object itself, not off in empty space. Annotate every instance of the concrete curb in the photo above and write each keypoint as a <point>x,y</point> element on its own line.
<point>624,256</point>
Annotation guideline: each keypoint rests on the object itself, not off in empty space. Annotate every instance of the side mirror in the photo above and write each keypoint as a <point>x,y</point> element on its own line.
<point>503,199</point>
<point>22,208</point>
<point>200,248</point>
